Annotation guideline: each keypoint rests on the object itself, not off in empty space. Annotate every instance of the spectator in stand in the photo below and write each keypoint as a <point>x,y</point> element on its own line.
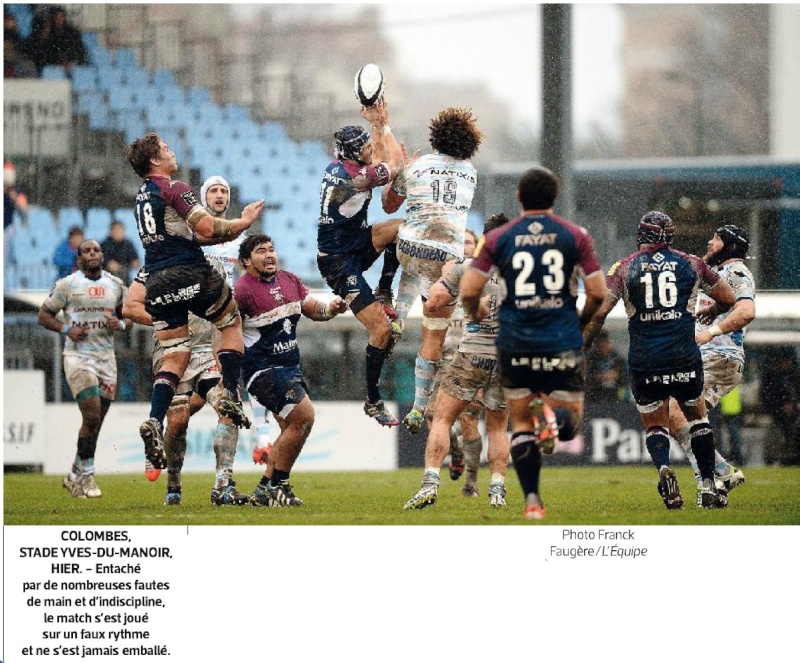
<point>65,257</point>
<point>119,252</point>
<point>780,395</point>
<point>16,62</point>
<point>607,373</point>
<point>56,41</point>
<point>14,201</point>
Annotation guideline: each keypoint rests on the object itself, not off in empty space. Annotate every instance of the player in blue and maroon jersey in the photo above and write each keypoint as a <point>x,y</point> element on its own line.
<point>271,302</point>
<point>347,245</point>
<point>541,257</point>
<point>180,280</point>
<point>659,287</point>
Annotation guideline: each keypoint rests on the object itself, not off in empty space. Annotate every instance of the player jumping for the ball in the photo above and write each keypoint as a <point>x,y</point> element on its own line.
<point>347,245</point>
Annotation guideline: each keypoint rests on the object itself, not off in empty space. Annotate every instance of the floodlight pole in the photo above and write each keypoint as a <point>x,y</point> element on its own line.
<point>556,141</point>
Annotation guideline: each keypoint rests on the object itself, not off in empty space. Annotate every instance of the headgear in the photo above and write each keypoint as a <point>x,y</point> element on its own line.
<point>655,228</point>
<point>349,141</point>
<point>211,181</point>
<point>735,244</point>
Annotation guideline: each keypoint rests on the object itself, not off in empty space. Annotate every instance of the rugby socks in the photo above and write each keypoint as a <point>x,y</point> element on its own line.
<point>407,292</point>
<point>226,437</point>
<point>230,362</point>
<point>657,440</point>
<point>164,388</point>
<point>472,459</point>
<point>568,423</point>
<point>375,359</point>
<point>390,266</point>
<point>685,440</point>
<point>278,477</point>
<point>86,447</point>
<point>261,421</point>
<point>424,375</point>
<point>703,447</point>
<point>431,476</point>
<point>175,452</point>
<point>527,461</point>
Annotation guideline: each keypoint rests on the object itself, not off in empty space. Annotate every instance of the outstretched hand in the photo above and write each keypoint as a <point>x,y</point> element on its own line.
<point>251,212</point>
<point>377,114</point>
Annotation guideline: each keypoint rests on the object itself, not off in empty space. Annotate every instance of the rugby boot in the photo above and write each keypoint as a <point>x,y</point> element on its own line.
<point>231,408</point>
<point>733,479</point>
<point>75,487</point>
<point>711,497</point>
<point>426,495</point>
<point>152,473</point>
<point>282,495</point>
<point>90,487</point>
<point>380,413</point>
<point>534,509</point>
<point>546,428</point>
<point>261,454</point>
<point>228,496</point>
<point>668,488</point>
<point>413,420</point>
<point>150,432</point>
<point>497,494</point>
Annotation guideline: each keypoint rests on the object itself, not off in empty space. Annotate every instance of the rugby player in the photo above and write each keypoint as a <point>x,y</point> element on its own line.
<point>659,286</point>
<point>200,383</point>
<point>347,245</point>
<point>541,257</point>
<point>215,196</point>
<point>181,280</point>
<point>91,300</point>
<point>271,301</point>
<point>438,189</point>
<point>465,438</point>
<point>473,369</point>
<point>720,335</point>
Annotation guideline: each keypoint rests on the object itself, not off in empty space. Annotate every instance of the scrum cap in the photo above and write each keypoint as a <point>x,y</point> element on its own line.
<point>735,241</point>
<point>349,141</point>
<point>211,181</point>
<point>655,228</point>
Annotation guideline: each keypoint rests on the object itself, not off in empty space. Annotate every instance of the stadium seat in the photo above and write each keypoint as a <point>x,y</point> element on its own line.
<point>53,72</point>
<point>68,217</point>
<point>98,220</point>
<point>125,58</point>
<point>164,79</point>
<point>99,55</point>
<point>83,79</point>
<point>122,98</point>
<point>197,96</point>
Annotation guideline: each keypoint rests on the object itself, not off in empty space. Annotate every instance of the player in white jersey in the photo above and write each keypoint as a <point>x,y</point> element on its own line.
<point>438,189</point>
<point>215,195</point>
<point>720,335</point>
<point>473,369</point>
<point>91,300</point>
<point>466,443</point>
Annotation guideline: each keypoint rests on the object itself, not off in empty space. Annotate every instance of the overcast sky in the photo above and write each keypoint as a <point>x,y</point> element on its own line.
<point>501,44</point>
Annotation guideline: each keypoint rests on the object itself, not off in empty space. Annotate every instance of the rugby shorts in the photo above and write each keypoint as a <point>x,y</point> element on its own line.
<point>344,274</point>
<point>683,383</point>
<point>722,374</point>
<point>468,374</point>
<point>559,375</point>
<point>279,389</point>
<point>85,371</point>
<point>423,262</point>
<point>174,291</point>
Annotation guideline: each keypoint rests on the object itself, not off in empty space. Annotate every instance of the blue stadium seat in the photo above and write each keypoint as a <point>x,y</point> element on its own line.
<point>99,55</point>
<point>122,98</point>
<point>164,79</point>
<point>236,113</point>
<point>53,72</point>
<point>125,58</point>
<point>98,220</point>
<point>83,79</point>
<point>68,217</point>
<point>197,96</point>
<point>109,77</point>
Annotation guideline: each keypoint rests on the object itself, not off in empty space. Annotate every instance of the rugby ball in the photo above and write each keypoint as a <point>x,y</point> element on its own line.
<point>368,84</point>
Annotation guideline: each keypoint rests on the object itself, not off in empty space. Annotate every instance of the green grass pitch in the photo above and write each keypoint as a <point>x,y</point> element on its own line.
<point>574,496</point>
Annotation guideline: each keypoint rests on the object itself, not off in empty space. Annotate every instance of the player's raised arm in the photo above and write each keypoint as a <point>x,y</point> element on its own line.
<point>208,227</point>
